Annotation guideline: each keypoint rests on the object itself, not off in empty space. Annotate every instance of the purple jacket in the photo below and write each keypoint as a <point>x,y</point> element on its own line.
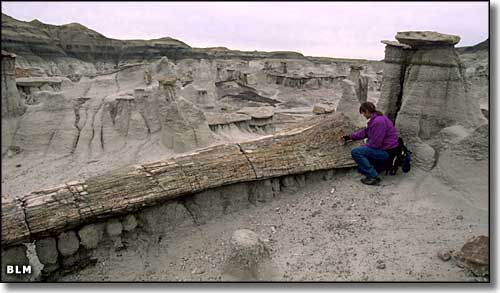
<point>380,132</point>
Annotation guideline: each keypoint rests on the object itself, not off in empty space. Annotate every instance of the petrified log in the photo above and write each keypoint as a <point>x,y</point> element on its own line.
<point>314,146</point>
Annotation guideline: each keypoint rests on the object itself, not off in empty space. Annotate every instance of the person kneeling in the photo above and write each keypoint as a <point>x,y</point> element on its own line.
<point>382,138</point>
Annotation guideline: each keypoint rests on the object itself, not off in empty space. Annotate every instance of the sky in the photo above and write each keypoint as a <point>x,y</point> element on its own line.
<point>329,29</point>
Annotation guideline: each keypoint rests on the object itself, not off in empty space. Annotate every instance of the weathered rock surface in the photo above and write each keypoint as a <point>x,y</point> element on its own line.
<point>258,112</point>
<point>248,258</point>
<point>129,223</point>
<point>314,146</point>
<point>15,256</point>
<point>474,255</point>
<point>360,82</point>
<point>435,86</point>
<point>185,126</point>
<point>226,118</point>
<point>67,243</point>
<point>90,235</point>
<point>114,227</point>
<point>349,104</point>
<point>425,90</point>
<point>426,38</point>
<point>46,250</point>
<point>12,106</point>
<point>323,108</point>
<point>391,91</point>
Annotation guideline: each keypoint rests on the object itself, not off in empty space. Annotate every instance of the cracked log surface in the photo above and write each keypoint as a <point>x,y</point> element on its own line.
<point>312,147</point>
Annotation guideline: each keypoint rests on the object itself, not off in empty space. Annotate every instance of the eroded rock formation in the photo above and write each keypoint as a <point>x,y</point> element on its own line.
<point>360,82</point>
<point>349,104</point>
<point>395,62</point>
<point>425,90</point>
<point>12,105</point>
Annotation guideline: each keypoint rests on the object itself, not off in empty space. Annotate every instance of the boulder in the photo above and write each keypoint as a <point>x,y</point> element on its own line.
<point>248,258</point>
<point>67,243</point>
<point>91,235</point>
<point>323,108</point>
<point>114,227</point>
<point>423,155</point>
<point>474,255</point>
<point>46,250</point>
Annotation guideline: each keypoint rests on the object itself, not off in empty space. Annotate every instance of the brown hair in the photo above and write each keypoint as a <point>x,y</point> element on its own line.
<point>368,107</point>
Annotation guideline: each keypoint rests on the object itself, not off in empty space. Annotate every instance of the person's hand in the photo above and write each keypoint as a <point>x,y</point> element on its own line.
<point>346,138</point>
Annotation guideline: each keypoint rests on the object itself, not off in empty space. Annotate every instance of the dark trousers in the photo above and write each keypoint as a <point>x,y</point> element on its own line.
<point>370,160</point>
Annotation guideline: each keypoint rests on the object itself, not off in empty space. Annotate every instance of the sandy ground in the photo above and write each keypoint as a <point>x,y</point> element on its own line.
<point>390,232</point>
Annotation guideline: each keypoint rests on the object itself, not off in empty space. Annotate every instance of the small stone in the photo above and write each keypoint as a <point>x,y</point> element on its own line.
<point>114,227</point>
<point>129,223</point>
<point>381,266</point>
<point>332,191</point>
<point>79,188</point>
<point>444,255</point>
<point>67,243</point>
<point>460,217</point>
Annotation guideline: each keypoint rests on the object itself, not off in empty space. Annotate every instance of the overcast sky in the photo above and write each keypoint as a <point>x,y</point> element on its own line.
<point>332,29</point>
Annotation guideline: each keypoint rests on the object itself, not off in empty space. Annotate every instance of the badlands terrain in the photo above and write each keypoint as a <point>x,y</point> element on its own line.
<point>77,105</point>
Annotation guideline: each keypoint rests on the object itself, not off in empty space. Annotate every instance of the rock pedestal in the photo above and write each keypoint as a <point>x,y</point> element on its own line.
<point>349,104</point>
<point>424,90</point>
<point>248,258</point>
<point>434,88</point>
<point>360,82</point>
<point>12,106</point>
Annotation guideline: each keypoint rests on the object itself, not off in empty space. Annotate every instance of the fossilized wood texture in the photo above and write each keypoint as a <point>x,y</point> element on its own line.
<point>315,146</point>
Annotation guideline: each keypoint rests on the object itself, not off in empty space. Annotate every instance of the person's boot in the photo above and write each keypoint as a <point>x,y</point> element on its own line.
<point>371,180</point>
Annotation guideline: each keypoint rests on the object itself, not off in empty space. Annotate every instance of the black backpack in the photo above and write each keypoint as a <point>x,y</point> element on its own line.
<point>400,156</point>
